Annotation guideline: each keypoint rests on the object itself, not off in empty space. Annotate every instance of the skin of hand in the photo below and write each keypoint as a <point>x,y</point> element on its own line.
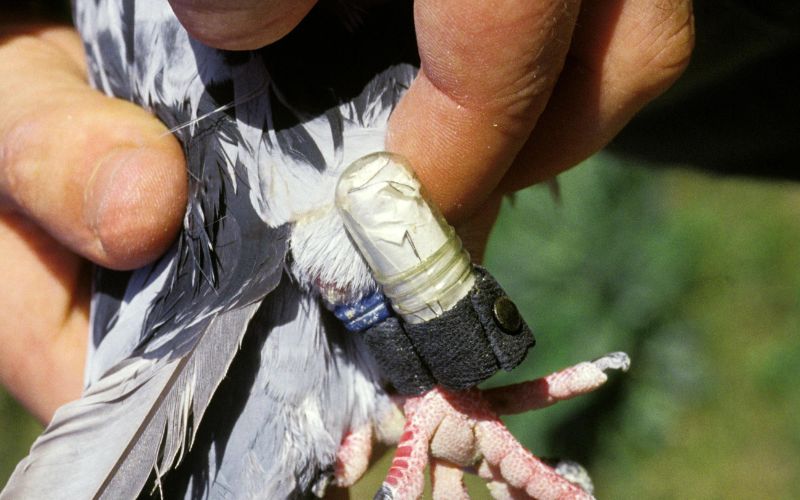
<point>82,176</point>
<point>510,93</point>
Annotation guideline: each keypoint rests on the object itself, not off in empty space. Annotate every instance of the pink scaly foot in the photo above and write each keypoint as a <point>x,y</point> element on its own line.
<point>564,384</point>
<point>498,488</point>
<point>460,428</point>
<point>352,458</point>
<point>405,477</point>
<point>448,481</point>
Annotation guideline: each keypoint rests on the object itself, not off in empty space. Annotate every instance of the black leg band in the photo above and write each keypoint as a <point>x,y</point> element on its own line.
<point>465,346</point>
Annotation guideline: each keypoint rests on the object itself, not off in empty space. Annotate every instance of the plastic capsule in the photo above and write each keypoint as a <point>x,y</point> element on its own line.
<point>413,252</point>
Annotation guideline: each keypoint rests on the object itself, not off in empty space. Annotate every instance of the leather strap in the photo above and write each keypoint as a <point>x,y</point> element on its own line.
<point>458,350</point>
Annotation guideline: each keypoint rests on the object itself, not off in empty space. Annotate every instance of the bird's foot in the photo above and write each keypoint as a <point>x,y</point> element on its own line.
<point>457,430</point>
<point>352,458</point>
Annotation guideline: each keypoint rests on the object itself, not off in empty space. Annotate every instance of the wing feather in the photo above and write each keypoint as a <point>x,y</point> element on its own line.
<point>144,404</point>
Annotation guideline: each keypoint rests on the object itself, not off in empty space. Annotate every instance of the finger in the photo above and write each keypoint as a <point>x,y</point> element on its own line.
<point>44,317</point>
<point>474,230</point>
<point>487,69</point>
<point>240,24</point>
<point>100,175</point>
<point>624,54</point>
<point>447,481</point>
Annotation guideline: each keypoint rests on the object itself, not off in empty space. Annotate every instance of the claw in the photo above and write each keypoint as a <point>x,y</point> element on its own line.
<point>573,472</point>
<point>613,361</point>
<point>383,493</point>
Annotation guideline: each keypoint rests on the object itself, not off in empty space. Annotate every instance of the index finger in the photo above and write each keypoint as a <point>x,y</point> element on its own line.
<point>487,70</point>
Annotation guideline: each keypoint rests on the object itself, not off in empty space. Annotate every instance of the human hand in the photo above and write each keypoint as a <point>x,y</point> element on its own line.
<point>82,176</point>
<point>510,92</point>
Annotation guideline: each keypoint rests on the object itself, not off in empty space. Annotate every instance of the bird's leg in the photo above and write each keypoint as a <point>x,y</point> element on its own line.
<point>460,428</point>
<point>405,478</point>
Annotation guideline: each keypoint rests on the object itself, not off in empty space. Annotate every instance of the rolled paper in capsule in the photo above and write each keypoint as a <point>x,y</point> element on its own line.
<point>414,254</point>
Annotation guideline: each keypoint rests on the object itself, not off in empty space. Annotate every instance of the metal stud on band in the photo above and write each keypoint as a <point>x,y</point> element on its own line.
<point>506,315</point>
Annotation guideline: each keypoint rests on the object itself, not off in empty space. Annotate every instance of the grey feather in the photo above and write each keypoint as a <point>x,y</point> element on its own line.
<point>168,402</point>
<point>277,419</point>
<point>143,403</point>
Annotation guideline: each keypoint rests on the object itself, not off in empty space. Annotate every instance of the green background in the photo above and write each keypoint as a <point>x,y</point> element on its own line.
<point>698,278</point>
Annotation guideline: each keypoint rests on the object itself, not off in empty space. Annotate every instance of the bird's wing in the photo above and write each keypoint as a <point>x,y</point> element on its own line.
<point>105,441</point>
<point>300,382</point>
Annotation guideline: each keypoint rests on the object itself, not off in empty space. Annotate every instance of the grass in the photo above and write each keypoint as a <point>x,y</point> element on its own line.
<point>17,432</point>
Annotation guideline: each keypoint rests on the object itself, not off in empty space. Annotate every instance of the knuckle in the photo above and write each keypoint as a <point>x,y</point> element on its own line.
<point>223,28</point>
<point>241,24</point>
<point>19,165</point>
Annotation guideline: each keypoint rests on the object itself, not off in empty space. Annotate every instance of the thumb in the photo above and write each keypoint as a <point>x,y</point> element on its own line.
<point>99,174</point>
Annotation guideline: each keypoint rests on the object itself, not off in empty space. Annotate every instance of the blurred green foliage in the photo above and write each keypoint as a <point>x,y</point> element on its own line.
<point>698,278</point>
<point>17,432</point>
